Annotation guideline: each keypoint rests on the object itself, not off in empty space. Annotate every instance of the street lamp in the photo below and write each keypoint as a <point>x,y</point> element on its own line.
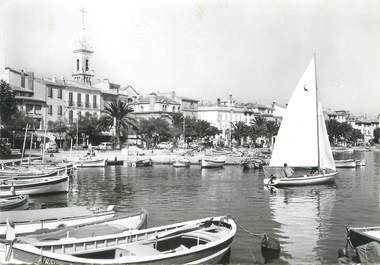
<point>13,142</point>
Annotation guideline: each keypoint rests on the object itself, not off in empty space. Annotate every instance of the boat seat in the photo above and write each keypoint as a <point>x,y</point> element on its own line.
<point>136,250</point>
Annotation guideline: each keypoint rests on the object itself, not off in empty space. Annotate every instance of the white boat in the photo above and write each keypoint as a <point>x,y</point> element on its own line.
<point>213,162</point>
<point>47,220</point>
<point>302,153</point>
<point>91,162</point>
<point>360,163</point>
<point>10,187</point>
<point>184,162</point>
<point>363,235</point>
<point>203,241</point>
<point>12,202</point>
<point>346,163</point>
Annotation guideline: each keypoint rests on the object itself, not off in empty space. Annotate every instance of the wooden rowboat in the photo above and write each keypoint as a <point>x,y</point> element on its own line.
<point>31,221</point>
<point>184,162</point>
<point>213,162</point>
<point>12,202</point>
<point>362,235</point>
<point>10,187</point>
<point>197,242</point>
<point>90,162</point>
<point>347,163</point>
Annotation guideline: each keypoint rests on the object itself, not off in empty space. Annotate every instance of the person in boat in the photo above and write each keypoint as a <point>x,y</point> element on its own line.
<point>288,172</point>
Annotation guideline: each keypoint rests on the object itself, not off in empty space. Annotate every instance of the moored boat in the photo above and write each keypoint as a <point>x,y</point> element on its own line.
<point>362,235</point>
<point>91,162</point>
<point>213,162</point>
<point>144,163</point>
<point>12,202</point>
<point>302,153</point>
<point>184,162</point>
<point>10,187</point>
<point>197,242</point>
<point>29,221</point>
<point>346,163</point>
<point>360,163</point>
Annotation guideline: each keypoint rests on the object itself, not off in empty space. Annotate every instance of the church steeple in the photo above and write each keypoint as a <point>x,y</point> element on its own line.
<point>82,54</point>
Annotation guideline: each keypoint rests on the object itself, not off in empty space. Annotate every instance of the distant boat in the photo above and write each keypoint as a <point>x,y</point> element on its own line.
<point>346,163</point>
<point>360,163</point>
<point>13,202</point>
<point>51,221</point>
<point>302,141</point>
<point>343,150</point>
<point>184,162</point>
<point>144,163</point>
<point>10,187</point>
<point>91,162</point>
<point>203,241</point>
<point>213,162</point>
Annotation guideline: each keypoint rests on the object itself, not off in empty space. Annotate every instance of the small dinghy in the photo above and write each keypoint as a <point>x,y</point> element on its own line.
<point>360,163</point>
<point>55,219</point>
<point>203,241</point>
<point>10,187</point>
<point>12,202</point>
<point>184,162</point>
<point>346,163</point>
<point>213,162</point>
<point>144,163</point>
<point>91,162</point>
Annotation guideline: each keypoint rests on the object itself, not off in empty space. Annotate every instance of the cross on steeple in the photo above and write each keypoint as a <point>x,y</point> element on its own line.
<point>83,13</point>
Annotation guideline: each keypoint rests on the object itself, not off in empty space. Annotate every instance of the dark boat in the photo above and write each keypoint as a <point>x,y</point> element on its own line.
<point>144,163</point>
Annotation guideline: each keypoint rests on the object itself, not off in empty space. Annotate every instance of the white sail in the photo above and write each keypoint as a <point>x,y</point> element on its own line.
<point>326,157</point>
<point>296,143</point>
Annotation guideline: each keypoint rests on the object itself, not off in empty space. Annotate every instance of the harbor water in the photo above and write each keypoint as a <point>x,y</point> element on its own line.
<point>309,221</point>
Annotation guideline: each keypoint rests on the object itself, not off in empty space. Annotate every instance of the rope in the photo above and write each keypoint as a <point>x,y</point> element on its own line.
<point>247,231</point>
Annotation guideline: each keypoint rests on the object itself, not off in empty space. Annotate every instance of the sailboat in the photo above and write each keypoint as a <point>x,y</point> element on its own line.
<point>302,153</point>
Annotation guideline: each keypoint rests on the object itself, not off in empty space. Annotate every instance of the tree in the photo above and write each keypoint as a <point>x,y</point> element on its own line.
<point>89,126</point>
<point>240,131</point>
<point>376,135</point>
<point>58,127</point>
<point>117,115</point>
<point>8,105</point>
<point>154,130</point>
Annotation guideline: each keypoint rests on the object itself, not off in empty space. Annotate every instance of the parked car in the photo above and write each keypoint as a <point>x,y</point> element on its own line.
<point>105,146</point>
<point>52,148</point>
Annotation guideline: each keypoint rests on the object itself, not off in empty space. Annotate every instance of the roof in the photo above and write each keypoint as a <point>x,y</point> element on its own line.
<point>158,99</point>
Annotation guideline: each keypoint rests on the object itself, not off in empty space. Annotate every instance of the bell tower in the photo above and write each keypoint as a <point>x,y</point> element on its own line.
<point>82,53</point>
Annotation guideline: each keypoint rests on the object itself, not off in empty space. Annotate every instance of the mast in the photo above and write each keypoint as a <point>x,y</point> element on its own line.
<point>316,107</point>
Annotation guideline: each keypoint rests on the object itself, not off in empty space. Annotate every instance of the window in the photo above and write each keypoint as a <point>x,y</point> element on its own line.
<point>70,116</point>
<point>71,99</point>
<point>77,64</point>
<point>22,79</point>
<point>79,115</point>
<point>87,100</point>
<point>50,92</point>
<point>37,109</point>
<point>87,65</point>
<point>142,108</point>
<point>79,99</point>
<point>50,110</point>
<point>29,108</point>
<point>179,109</point>
<point>87,114</point>
<point>94,101</point>
<point>173,109</point>
<point>60,110</point>
<point>60,93</point>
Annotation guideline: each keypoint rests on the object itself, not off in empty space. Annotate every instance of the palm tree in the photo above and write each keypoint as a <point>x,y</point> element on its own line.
<point>117,114</point>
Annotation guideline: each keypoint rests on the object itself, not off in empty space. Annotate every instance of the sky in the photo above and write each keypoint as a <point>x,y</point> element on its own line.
<point>206,49</point>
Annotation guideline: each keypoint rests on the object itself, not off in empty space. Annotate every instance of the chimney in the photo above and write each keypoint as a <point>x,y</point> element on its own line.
<point>53,79</point>
<point>63,79</point>
<point>30,80</point>
<point>218,101</point>
<point>152,101</point>
<point>173,95</point>
<point>230,96</point>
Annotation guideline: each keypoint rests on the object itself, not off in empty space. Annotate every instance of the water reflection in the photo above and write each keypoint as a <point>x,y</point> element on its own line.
<point>303,214</point>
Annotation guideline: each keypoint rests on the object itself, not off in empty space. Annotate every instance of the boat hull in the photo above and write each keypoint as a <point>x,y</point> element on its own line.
<point>361,236</point>
<point>345,163</point>
<point>13,202</point>
<point>36,186</point>
<point>301,180</point>
<point>92,163</point>
<point>181,163</point>
<point>215,245</point>
<point>210,163</point>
